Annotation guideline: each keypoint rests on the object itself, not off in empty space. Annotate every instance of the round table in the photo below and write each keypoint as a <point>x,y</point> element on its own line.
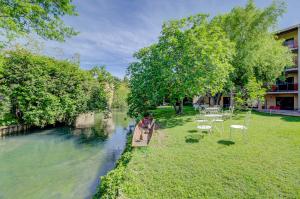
<point>213,115</point>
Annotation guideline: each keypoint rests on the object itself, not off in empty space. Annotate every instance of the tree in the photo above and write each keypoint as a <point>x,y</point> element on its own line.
<point>121,91</point>
<point>20,17</point>
<point>103,89</point>
<point>233,52</point>
<point>191,58</point>
<point>99,99</point>
<point>4,100</point>
<point>39,90</point>
<point>260,57</point>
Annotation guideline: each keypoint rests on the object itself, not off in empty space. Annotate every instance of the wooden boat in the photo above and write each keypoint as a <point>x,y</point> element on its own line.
<point>143,132</point>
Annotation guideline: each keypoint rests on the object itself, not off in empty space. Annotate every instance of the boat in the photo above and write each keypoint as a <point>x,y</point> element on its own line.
<point>143,132</point>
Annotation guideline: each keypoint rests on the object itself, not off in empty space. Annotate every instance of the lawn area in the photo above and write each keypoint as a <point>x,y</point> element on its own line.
<point>267,166</point>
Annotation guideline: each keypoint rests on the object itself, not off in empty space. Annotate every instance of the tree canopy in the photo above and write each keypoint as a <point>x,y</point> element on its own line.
<point>232,52</point>
<point>39,90</point>
<point>260,57</point>
<point>192,57</point>
<point>20,17</point>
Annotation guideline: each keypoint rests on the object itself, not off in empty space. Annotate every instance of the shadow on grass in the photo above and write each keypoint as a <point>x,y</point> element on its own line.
<point>192,131</point>
<point>238,117</point>
<point>226,142</point>
<point>172,122</point>
<point>193,138</point>
<point>167,118</point>
<point>282,117</point>
<point>291,118</point>
<point>188,120</point>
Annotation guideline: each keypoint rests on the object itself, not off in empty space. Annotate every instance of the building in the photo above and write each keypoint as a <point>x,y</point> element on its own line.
<point>284,95</point>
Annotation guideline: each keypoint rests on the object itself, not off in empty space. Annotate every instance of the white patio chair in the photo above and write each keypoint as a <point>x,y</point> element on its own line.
<point>207,128</point>
<point>196,106</point>
<point>200,118</point>
<point>229,113</point>
<point>204,106</point>
<point>206,125</point>
<point>215,123</point>
<point>242,128</point>
<point>212,110</point>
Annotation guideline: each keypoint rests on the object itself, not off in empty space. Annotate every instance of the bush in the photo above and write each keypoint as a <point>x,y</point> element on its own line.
<point>7,120</point>
<point>41,90</point>
<point>110,184</point>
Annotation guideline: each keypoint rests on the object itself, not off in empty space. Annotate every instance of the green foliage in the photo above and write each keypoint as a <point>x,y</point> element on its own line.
<point>111,183</point>
<point>99,96</point>
<point>259,55</point>
<point>192,57</point>
<point>7,119</point>
<point>40,90</point>
<point>20,17</point>
<point>120,95</point>
<point>255,90</point>
<point>233,52</point>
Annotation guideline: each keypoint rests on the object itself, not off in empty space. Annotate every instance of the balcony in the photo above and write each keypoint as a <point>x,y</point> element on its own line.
<point>294,67</point>
<point>288,87</point>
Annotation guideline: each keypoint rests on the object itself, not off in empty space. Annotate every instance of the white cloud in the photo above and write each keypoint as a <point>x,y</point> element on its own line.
<point>112,30</point>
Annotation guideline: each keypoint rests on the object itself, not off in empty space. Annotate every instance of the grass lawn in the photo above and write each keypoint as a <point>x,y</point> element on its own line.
<point>174,166</point>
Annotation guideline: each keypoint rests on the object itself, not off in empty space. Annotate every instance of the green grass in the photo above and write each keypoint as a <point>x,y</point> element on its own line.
<point>181,162</point>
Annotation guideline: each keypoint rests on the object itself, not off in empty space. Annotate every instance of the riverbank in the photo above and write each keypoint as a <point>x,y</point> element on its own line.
<point>212,166</point>
<point>12,129</point>
<point>83,120</point>
<point>111,182</point>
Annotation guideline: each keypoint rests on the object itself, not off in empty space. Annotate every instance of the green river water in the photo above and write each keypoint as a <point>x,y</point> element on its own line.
<point>60,162</point>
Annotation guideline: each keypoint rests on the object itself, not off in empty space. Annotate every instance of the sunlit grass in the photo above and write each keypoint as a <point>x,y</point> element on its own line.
<point>212,166</point>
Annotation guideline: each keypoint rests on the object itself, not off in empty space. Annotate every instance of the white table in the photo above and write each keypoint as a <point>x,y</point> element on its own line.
<point>213,115</point>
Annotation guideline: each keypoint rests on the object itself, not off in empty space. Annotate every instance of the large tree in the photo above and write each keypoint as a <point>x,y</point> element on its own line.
<point>20,17</point>
<point>192,57</point>
<point>260,57</point>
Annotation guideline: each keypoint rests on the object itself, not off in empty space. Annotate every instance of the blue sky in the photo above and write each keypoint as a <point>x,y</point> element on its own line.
<point>112,30</point>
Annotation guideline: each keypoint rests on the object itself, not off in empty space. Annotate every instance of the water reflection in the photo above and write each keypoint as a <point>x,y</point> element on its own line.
<point>61,162</point>
<point>101,130</point>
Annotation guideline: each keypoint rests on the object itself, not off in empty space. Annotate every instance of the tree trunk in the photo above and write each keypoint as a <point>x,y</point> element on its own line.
<point>175,108</point>
<point>178,107</point>
<point>217,98</point>
<point>180,111</point>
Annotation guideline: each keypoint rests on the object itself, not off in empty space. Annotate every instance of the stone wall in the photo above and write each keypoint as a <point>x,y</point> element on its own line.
<point>7,130</point>
<point>85,120</point>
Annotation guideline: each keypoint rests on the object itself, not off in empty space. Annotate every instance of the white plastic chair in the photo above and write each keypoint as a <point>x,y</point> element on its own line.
<point>243,128</point>
<point>206,124</point>
<point>229,113</point>
<point>212,110</point>
<point>201,118</point>
<point>207,128</point>
<point>215,123</point>
<point>196,106</point>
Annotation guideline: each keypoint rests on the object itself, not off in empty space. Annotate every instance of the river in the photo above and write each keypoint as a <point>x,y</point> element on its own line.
<point>60,163</point>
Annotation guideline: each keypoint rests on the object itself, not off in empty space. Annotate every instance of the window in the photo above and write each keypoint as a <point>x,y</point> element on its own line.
<point>288,80</point>
<point>289,43</point>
